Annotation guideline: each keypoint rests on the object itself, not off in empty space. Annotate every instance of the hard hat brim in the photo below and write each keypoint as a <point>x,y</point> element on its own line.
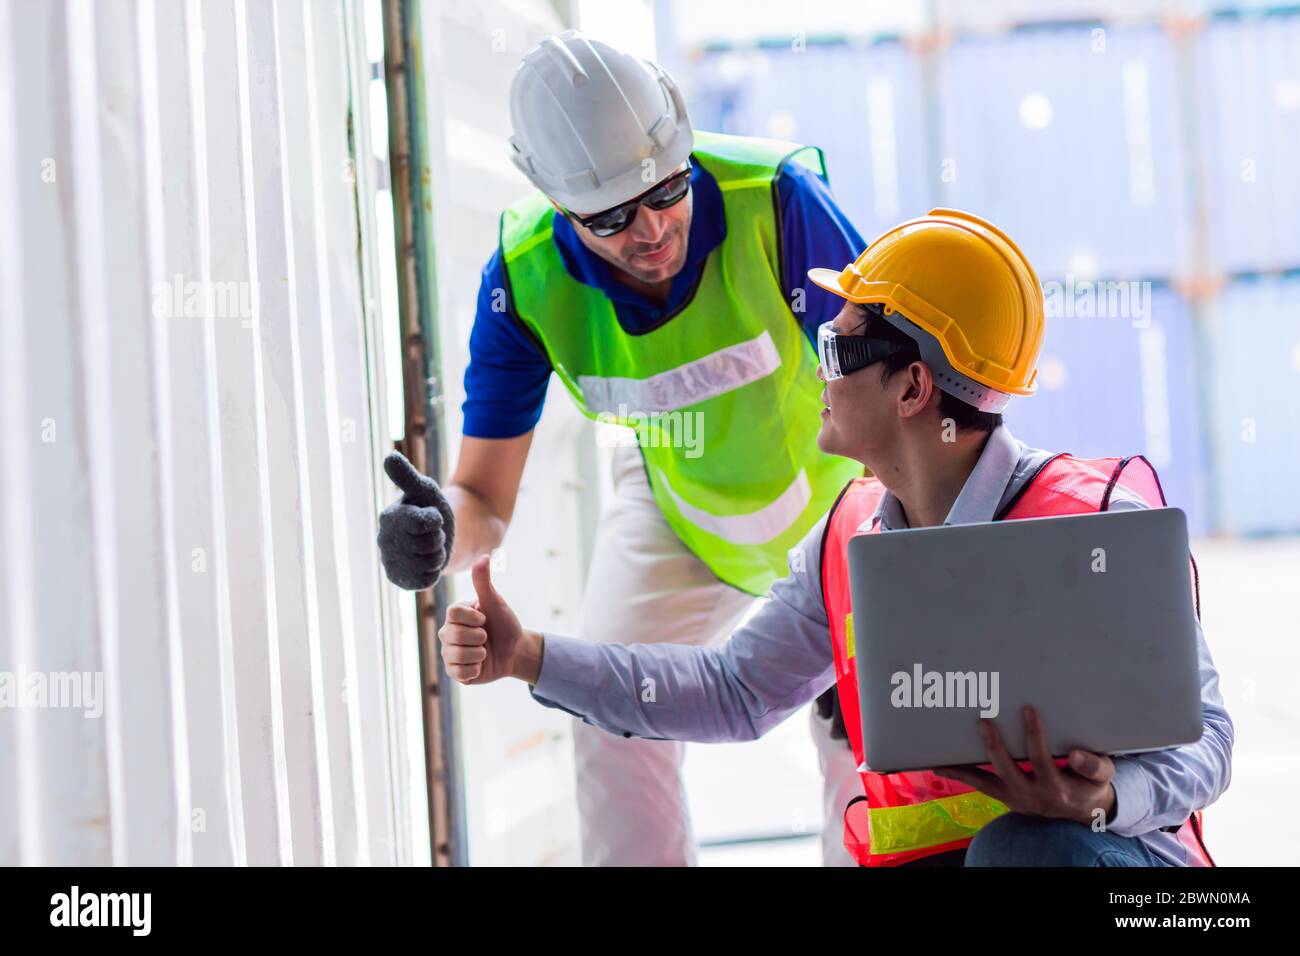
<point>829,279</point>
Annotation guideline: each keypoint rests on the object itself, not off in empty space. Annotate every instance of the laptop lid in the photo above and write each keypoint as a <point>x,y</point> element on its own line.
<point>1090,618</point>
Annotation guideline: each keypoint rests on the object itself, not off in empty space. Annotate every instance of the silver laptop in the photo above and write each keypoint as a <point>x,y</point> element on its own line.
<point>1090,618</point>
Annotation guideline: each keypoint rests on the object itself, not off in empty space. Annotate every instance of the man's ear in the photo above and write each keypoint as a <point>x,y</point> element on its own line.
<point>920,390</point>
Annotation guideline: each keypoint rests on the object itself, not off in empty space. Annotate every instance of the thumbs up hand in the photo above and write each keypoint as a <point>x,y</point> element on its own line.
<point>417,530</point>
<point>482,638</point>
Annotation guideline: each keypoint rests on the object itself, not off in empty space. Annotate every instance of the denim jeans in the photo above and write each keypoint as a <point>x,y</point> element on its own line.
<point>1017,840</point>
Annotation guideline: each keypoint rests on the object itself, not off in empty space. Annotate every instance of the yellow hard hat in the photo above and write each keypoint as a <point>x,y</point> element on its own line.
<point>961,279</point>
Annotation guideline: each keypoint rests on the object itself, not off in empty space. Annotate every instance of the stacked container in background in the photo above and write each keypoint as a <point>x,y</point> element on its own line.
<point>1164,156</point>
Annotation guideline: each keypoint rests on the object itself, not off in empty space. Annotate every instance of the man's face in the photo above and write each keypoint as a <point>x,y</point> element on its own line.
<point>859,413</point>
<point>652,249</point>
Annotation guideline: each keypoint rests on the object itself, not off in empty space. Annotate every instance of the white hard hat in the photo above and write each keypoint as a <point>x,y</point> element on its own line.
<point>586,118</point>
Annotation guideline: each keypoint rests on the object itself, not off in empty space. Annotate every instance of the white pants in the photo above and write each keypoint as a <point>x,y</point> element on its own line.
<point>645,586</point>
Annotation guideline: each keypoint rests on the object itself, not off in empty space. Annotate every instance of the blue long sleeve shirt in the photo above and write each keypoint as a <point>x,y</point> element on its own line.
<point>505,383</point>
<point>781,659</point>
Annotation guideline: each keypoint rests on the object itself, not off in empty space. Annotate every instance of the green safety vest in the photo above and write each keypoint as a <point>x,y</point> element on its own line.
<point>723,395</point>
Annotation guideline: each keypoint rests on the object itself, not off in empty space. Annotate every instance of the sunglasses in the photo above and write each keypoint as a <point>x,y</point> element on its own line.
<point>666,194</point>
<point>842,355</point>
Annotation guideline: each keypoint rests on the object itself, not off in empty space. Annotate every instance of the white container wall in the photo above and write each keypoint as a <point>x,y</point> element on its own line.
<point>199,658</point>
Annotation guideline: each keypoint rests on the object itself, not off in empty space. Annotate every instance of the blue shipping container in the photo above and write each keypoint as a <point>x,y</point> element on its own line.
<point>1249,124</point>
<point>877,165</point>
<point>1122,385</point>
<point>1069,140</point>
<point>1253,332</point>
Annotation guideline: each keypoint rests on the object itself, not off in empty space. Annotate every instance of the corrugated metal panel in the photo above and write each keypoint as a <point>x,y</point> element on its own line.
<point>188,485</point>
<point>877,162</point>
<point>1122,386</point>
<point>1072,148</point>
<point>1249,96</point>
<point>1255,328</point>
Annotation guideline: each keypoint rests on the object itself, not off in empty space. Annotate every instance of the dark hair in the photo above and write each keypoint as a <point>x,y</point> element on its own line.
<point>967,417</point>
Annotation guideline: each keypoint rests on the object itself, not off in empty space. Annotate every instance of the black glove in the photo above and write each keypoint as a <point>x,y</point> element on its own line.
<point>417,530</point>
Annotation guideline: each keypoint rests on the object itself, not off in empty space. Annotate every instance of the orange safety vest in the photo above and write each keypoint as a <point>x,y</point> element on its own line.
<point>906,816</point>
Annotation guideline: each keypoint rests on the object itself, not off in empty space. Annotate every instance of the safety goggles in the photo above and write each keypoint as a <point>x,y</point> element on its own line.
<point>666,194</point>
<point>842,355</point>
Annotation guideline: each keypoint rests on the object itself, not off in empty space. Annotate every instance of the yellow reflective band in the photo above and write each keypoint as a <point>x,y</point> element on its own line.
<point>935,822</point>
<point>523,247</point>
<point>848,636</point>
<point>727,186</point>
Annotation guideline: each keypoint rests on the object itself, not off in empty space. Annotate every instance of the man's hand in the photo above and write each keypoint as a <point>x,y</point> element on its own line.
<point>482,640</point>
<point>1075,792</point>
<point>417,530</point>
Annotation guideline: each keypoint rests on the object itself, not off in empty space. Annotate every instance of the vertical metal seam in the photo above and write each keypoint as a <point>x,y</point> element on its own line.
<point>334,449</point>
<point>97,392</point>
<point>393,649</point>
<point>20,617</point>
<point>150,122</point>
<point>315,664</point>
<point>393,838</point>
<point>279,757</point>
<point>233,775</point>
<point>391,664</point>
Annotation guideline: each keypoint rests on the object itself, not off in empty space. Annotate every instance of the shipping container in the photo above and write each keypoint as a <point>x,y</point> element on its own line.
<point>190,433</point>
<point>1248,95</point>
<point>863,105</point>
<point>1069,139</point>
<point>1122,385</point>
<point>1253,338</point>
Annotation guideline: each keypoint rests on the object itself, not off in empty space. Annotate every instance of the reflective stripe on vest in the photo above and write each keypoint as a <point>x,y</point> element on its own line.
<point>689,384</point>
<point>740,481</point>
<point>905,816</point>
<point>757,527</point>
<point>936,822</point>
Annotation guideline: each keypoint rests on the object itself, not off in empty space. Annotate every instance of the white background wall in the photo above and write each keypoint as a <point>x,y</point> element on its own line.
<point>188,487</point>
